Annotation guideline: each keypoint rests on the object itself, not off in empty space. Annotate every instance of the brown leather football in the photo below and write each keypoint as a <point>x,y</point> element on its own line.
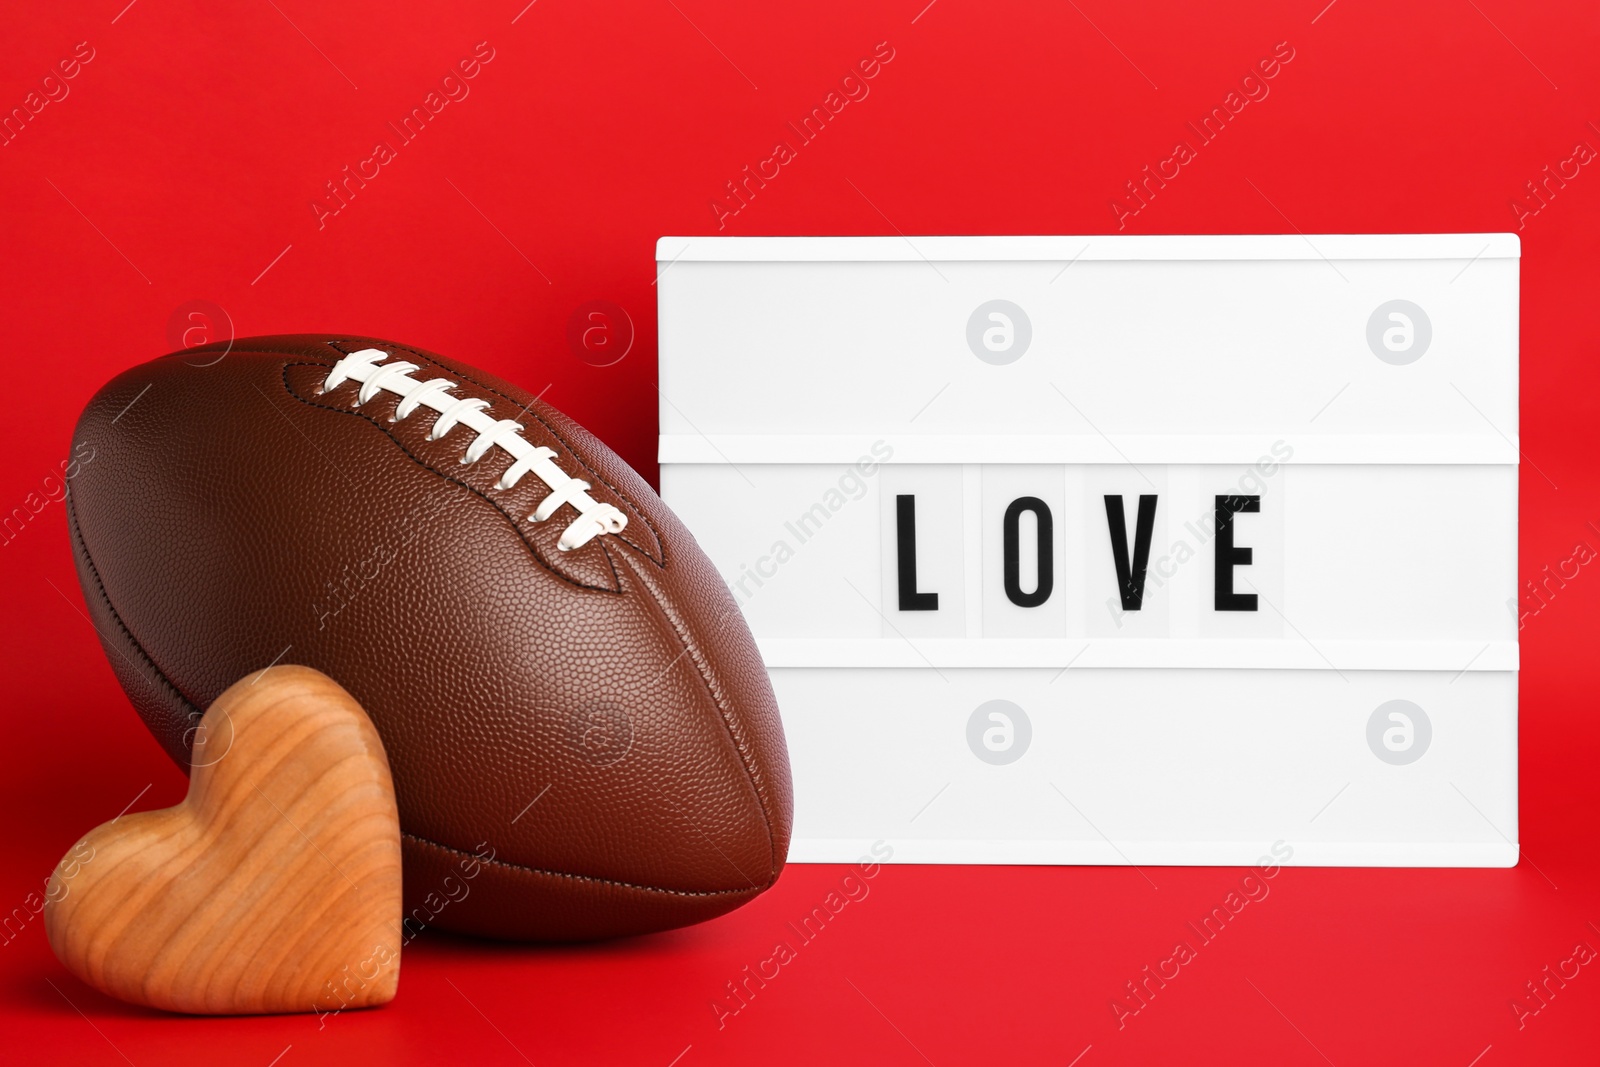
<point>583,738</point>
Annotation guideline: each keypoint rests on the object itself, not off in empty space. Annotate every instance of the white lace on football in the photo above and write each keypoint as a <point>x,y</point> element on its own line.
<point>594,518</point>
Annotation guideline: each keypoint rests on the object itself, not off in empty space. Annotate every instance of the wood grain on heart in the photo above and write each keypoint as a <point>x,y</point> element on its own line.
<point>273,887</point>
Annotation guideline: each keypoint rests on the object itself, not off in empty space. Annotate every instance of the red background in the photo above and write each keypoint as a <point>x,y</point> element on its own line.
<point>185,159</point>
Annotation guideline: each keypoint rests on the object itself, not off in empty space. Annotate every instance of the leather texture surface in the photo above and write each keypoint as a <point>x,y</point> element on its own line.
<point>584,744</point>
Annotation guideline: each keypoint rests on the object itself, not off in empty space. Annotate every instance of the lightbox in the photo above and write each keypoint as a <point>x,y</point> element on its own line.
<point>1116,549</point>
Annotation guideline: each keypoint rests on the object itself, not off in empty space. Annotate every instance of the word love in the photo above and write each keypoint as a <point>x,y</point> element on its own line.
<point>1129,556</point>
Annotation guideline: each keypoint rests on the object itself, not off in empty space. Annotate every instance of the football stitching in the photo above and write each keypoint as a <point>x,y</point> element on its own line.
<point>634,508</point>
<point>579,877</point>
<point>379,374</point>
<point>515,525</point>
<point>660,542</point>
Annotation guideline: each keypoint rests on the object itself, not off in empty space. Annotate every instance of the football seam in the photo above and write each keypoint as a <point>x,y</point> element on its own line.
<point>82,547</point>
<point>573,452</point>
<point>480,494</point>
<point>523,868</point>
<point>753,776</point>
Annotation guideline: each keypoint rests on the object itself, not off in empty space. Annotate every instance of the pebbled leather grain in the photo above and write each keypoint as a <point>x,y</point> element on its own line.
<point>584,744</point>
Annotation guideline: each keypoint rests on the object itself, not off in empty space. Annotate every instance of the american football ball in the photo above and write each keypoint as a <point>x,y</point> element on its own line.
<point>583,737</point>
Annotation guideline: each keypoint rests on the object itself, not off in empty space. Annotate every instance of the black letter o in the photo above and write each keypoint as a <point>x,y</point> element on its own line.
<point>1013,552</point>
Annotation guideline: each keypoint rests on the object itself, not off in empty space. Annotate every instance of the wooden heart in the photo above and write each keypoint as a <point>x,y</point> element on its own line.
<point>273,887</point>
